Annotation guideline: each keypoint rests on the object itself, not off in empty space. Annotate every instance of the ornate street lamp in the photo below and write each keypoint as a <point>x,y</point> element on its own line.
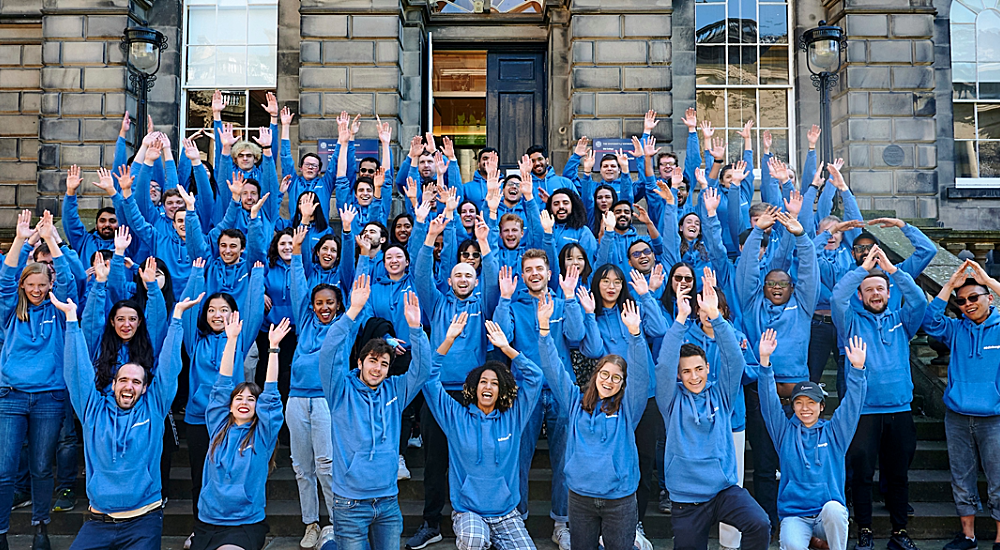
<point>142,46</point>
<point>824,47</point>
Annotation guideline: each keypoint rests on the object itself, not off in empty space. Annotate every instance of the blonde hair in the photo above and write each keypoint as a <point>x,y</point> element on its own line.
<point>35,268</point>
<point>239,146</point>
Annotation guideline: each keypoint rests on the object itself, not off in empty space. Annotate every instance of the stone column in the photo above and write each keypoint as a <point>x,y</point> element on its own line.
<point>885,98</point>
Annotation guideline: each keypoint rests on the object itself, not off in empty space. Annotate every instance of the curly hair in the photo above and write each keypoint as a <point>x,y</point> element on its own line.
<point>239,146</point>
<point>508,387</point>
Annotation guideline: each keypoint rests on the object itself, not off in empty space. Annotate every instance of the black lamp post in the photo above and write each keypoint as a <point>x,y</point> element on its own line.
<point>824,46</point>
<point>142,46</point>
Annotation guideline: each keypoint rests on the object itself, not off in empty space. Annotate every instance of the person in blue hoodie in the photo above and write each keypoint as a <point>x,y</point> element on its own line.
<point>31,370</point>
<point>308,177</point>
<point>571,221</point>
<point>972,396</point>
<point>619,234</point>
<point>244,422</point>
<point>544,176</point>
<point>484,434</point>
<point>886,421</point>
<point>366,406</point>
<point>700,461</point>
<point>602,464</point>
<point>811,500</point>
<point>476,189</point>
<point>123,435</point>
<point>106,223</point>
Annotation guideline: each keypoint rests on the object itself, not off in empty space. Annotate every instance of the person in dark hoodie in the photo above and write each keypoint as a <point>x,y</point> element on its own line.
<point>972,396</point>
<point>886,421</point>
<point>484,433</point>
<point>123,437</point>
<point>811,499</point>
<point>366,408</point>
<point>700,461</point>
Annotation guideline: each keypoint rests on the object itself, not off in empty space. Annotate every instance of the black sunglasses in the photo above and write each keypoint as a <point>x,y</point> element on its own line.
<point>971,298</point>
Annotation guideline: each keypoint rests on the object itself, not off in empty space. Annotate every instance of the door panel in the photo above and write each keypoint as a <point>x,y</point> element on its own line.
<point>515,103</point>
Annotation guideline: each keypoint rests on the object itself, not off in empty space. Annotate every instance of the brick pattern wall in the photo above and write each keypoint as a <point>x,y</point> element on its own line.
<point>886,96</point>
<point>20,102</point>
<point>621,55</point>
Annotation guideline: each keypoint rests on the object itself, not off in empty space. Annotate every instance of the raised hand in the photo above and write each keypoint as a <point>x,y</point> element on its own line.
<point>272,105</point>
<point>68,307</point>
<point>287,116</point>
<point>154,150</point>
<point>739,172</point>
<point>650,149</point>
<point>767,219</point>
<point>884,263</point>
<point>790,223</point>
<point>609,221</point>
<point>649,121</point>
<point>664,192</point>
<point>72,180</point>
<point>125,178</point>
<point>569,282</point>
<point>586,299</point>
<point>236,185</point>
<point>411,190</point>
<point>708,277</point>
<point>457,325</point>
<point>706,130</point>
<point>186,304</point>
<point>441,163</point>
<point>778,169</point>
<point>24,230</point>
<point>482,230</point>
<point>218,102</point>
<point>234,326</point>
<point>508,282</point>
<point>347,215</point>
<point>263,137</point>
<point>657,277</point>
<point>639,283</point>
<point>793,204</point>
<point>126,124</point>
<point>448,148</point>
<point>690,119</point>
<point>191,150</point>
<point>189,199</point>
<point>640,213</point>
<point>699,176</point>
<point>227,135</point>
<point>148,272</point>
<point>623,160</point>
<point>766,140</point>
<point>845,225</point>
<point>412,310</point>
<point>710,199</point>
<point>582,145</point>
<point>813,135</point>
<point>835,176</point>
<point>856,352</point>
<point>299,237</point>
<point>708,301</point>
<point>871,260</point>
<point>123,239</point>
<point>277,333</point>
<point>343,128</point>
<point>101,268</point>
<point>546,305</point>
<point>384,130</point>
<point>436,227</point>
<point>355,126</point>
<point>745,131</point>
<point>497,337</point>
<point>637,149</point>
<point>548,222</point>
<point>718,149</point>
<point>683,305</point>
<point>364,246</point>
<point>360,291</point>
<point>887,222</point>
<point>768,343</point>
<point>198,262</point>
<point>429,139</point>
<point>422,211</point>
<point>588,162</point>
<point>631,318</point>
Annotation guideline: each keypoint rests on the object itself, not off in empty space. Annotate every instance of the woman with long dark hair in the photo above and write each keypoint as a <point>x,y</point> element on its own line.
<point>322,260</point>
<point>604,197</point>
<point>680,278</point>
<point>244,422</point>
<point>571,255</point>
<point>602,464</point>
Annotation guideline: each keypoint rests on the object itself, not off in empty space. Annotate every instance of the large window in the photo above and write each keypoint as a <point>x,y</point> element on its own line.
<point>459,84</point>
<point>975,63</point>
<point>743,68</point>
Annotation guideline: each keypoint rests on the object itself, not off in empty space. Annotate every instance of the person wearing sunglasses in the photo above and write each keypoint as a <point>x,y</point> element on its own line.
<point>619,236</point>
<point>886,421</point>
<point>972,396</point>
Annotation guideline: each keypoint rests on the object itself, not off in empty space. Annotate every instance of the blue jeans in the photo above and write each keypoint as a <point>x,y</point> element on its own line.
<point>141,533</point>
<point>37,417</point>
<point>830,525</point>
<point>308,421</point>
<point>973,440</point>
<point>556,423</point>
<point>66,460</point>
<point>374,520</point>
<point>615,518</point>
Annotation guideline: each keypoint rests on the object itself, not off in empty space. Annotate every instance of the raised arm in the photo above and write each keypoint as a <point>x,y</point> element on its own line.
<point>334,357</point>
<point>845,418</point>
<point>637,358</point>
<point>562,384</point>
<point>770,403</point>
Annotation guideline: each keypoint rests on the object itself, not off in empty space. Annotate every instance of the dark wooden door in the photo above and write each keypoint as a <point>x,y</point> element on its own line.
<point>515,103</point>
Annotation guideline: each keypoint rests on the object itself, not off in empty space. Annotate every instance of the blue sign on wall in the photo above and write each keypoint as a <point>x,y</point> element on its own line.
<point>362,148</point>
<point>605,146</point>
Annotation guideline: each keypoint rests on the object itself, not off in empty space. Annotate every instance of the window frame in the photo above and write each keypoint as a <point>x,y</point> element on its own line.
<point>973,182</point>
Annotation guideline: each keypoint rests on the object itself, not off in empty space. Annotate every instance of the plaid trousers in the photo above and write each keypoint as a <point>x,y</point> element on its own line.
<point>474,532</point>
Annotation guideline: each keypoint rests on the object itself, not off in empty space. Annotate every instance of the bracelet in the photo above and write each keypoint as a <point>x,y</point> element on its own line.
<point>265,147</point>
<point>273,350</point>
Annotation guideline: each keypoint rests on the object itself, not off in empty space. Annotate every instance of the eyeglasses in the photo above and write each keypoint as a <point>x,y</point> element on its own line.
<point>863,248</point>
<point>640,253</point>
<point>777,284</point>
<point>971,298</point>
<point>683,279</point>
<point>313,165</point>
<point>604,375</point>
<point>473,255</point>
<point>617,283</point>
<point>366,171</point>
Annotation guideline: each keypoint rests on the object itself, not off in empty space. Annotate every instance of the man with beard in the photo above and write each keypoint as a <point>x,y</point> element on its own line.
<point>544,176</point>
<point>571,221</point>
<point>886,422</point>
<point>102,237</point>
<point>421,166</point>
<point>619,236</point>
<point>468,351</point>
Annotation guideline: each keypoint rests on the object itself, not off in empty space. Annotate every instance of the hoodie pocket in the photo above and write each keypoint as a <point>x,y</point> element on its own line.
<point>120,490</point>
<point>225,501</point>
<point>894,386</point>
<point>695,476</point>
<point>800,498</point>
<point>592,473</point>
<point>369,472</point>
<point>974,398</point>
<point>484,493</point>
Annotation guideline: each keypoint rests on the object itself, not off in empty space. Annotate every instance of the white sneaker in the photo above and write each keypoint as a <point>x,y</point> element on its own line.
<point>560,536</point>
<point>415,442</point>
<point>311,538</point>
<point>326,535</point>
<point>402,472</point>
<point>641,542</point>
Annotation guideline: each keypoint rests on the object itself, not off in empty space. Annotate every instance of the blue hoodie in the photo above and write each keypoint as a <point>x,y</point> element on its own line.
<point>791,320</point>
<point>469,349</point>
<point>582,236</point>
<point>812,459</point>
<point>322,185</point>
<point>32,356</point>
<point>205,349</point>
<point>484,449</point>
<point>233,278</point>
<point>518,318</point>
<point>695,334</point>
<point>553,182</point>
<point>887,335</point>
<point>310,334</point>
<point>366,422</point>
<point>166,244</point>
<point>613,249</point>
<point>236,470</point>
<point>601,456</point>
<point>606,333</point>
<point>388,297</point>
<point>973,377</point>
<point>95,317</point>
<point>475,190</point>
<point>700,459</point>
<point>122,447</point>
<point>277,286</point>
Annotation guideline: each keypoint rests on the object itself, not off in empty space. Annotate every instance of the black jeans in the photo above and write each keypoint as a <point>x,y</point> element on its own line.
<point>733,506</point>
<point>649,429</point>
<point>889,440</point>
<point>823,342</point>
<point>765,458</point>
<point>197,438</point>
<point>589,518</point>
<point>435,464</point>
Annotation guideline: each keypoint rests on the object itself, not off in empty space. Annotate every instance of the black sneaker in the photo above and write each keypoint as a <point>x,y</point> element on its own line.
<point>41,541</point>
<point>65,502</point>
<point>21,500</point>
<point>865,540</point>
<point>664,505</point>
<point>960,542</point>
<point>424,536</point>
<point>900,541</point>
<point>3,542</point>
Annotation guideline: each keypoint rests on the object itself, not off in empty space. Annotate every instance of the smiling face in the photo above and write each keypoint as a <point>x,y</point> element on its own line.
<point>623,217</point>
<point>373,234</point>
<point>693,371</point>
<point>172,205</point>
<point>325,305</point>
<point>230,249</point>
<point>511,233</point>
<point>310,167</point>
<point>610,170</point>
<point>403,229</point>
<point>245,159</point>
<point>328,254</point>
<point>640,257</point>
<point>977,311</point>
<point>874,294</point>
<point>367,168</point>
<point>249,196</point>
<point>467,212</point>
<point>833,241</point>
<point>217,313</point>
<point>285,247</point>
<point>536,275</point>
<point>539,164</point>
<point>471,256</point>
<point>807,410</point>
<point>604,199</point>
<point>364,193</point>
<point>666,166</point>
<point>778,287</point>
<point>682,279</point>
<point>610,286</point>
<point>178,223</point>
<point>374,368</point>
<point>690,227</point>
<point>125,323</point>
<point>395,262</point>
<point>107,224</point>
<point>609,380</point>
<point>463,280</point>
<point>561,206</point>
<point>487,391</point>
<point>155,192</point>
<point>36,286</point>
<point>512,190</point>
<point>243,406</point>
<point>129,385</point>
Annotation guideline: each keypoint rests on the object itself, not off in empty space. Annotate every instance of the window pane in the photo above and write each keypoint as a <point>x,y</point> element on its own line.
<point>709,20</point>
<point>779,143</point>
<point>965,122</point>
<point>711,67</point>
<point>748,65</point>
<point>712,107</point>
<point>963,43</point>
<point>742,107</point>
<point>773,24</point>
<point>989,80</point>
<point>201,66</point>
<point>965,155</point>
<point>262,65</point>
<point>989,120</point>
<point>236,107</point>
<point>773,65</point>
<point>262,25</point>
<point>231,65</point>
<point>988,36</point>
<point>258,116</point>
<point>232,26</point>
<point>199,109</point>
<point>963,76</point>
<point>989,159</point>
<point>201,26</point>
<point>961,14</point>
<point>735,146</point>
<point>773,109</point>
<point>733,65</point>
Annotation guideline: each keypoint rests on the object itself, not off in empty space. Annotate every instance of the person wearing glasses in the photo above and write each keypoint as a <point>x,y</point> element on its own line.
<point>310,176</point>
<point>972,396</point>
<point>619,234</point>
<point>886,421</point>
<point>773,300</point>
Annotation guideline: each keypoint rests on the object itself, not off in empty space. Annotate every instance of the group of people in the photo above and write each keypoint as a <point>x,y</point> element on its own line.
<point>653,322</point>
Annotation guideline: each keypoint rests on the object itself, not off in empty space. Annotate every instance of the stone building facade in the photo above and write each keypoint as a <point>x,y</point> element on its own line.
<point>63,82</point>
